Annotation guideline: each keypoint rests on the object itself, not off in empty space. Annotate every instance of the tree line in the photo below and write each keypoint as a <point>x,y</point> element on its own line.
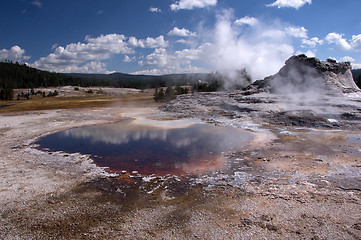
<point>357,77</point>
<point>16,75</point>
<point>169,94</point>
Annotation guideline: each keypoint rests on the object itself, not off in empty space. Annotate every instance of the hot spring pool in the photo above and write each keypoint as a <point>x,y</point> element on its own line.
<point>151,147</point>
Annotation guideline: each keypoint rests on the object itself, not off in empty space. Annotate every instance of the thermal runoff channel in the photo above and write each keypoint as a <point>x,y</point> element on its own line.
<point>151,149</point>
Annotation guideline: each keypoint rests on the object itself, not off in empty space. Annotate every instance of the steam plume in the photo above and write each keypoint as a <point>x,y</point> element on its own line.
<point>259,48</point>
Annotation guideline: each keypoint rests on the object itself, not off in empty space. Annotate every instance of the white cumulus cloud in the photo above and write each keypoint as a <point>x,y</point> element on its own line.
<point>312,42</point>
<point>289,3</point>
<point>15,53</point>
<point>246,21</point>
<point>181,32</point>
<point>347,59</point>
<point>339,40</point>
<point>298,32</point>
<point>183,41</point>
<point>87,56</point>
<point>161,61</point>
<point>149,42</point>
<point>154,9</point>
<point>105,44</point>
<point>159,57</point>
<point>84,57</point>
<point>155,42</point>
<point>37,3</point>
<point>128,59</point>
<point>191,4</point>
<point>356,65</point>
<point>356,42</point>
<point>170,70</point>
<point>91,67</point>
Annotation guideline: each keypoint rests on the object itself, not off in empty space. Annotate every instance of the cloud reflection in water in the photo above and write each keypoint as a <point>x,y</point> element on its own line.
<point>151,148</point>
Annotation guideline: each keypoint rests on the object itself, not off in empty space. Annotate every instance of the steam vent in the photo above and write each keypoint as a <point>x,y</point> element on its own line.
<point>306,92</point>
<point>301,74</point>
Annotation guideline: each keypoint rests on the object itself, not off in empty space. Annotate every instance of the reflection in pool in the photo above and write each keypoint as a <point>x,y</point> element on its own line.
<point>179,148</point>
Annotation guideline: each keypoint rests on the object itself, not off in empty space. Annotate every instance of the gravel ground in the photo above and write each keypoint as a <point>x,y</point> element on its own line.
<point>304,183</point>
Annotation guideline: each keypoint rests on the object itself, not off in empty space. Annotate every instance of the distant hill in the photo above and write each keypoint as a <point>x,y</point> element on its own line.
<point>145,81</point>
<point>356,73</point>
<point>15,75</point>
<point>357,76</point>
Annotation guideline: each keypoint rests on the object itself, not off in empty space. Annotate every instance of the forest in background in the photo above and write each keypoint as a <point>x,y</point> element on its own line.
<point>15,75</point>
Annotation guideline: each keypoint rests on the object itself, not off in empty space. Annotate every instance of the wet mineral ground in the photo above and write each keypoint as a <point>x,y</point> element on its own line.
<point>299,178</point>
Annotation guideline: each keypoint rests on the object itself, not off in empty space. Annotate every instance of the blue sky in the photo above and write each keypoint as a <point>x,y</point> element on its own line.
<point>177,36</point>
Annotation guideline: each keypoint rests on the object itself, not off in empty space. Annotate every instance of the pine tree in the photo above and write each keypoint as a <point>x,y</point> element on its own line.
<point>358,82</point>
<point>156,95</point>
<point>161,95</point>
<point>169,94</point>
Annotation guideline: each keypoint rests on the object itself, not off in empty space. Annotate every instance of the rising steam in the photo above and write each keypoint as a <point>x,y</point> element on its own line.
<point>259,48</point>
<point>301,84</point>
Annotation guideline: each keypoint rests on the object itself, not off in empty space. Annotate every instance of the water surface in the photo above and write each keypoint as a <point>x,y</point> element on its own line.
<point>155,147</point>
<point>4,106</point>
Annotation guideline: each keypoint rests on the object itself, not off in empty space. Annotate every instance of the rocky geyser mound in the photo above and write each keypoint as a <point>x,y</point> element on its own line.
<point>303,74</point>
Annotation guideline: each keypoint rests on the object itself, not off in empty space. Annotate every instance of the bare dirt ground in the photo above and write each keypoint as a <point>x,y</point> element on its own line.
<point>302,182</point>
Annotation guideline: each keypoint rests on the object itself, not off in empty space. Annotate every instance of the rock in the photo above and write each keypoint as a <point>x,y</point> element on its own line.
<point>258,87</point>
<point>302,118</point>
<point>357,226</point>
<point>303,74</point>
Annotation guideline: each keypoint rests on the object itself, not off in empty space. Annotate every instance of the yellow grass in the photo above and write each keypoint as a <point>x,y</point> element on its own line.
<point>48,103</point>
